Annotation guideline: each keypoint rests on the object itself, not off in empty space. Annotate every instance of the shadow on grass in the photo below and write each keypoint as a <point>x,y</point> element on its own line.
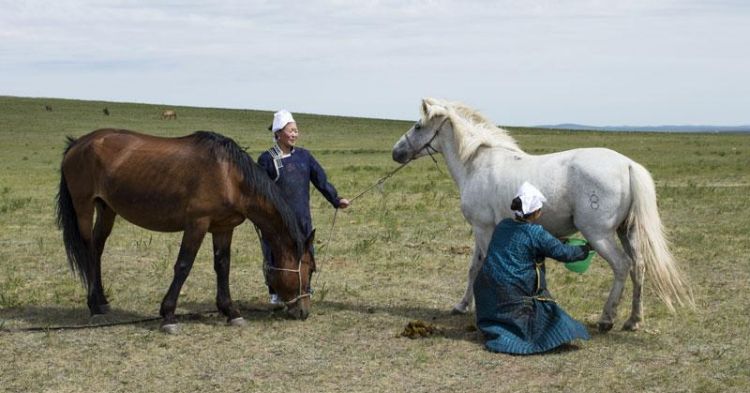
<point>463,327</point>
<point>44,318</point>
<point>40,318</point>
<point>449,326</point>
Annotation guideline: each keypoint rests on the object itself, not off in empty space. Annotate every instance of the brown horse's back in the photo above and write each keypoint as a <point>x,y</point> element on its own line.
<point>157,183</point>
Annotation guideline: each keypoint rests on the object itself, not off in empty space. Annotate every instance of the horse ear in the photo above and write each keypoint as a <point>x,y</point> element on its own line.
<point>432,107</point>
<point>426,107</point>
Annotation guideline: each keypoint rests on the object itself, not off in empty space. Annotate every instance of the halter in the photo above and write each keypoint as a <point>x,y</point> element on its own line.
<point>298,270</point>
<point>427,145</point>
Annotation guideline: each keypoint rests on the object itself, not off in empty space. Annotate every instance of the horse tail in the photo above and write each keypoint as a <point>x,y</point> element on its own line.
<point>652,246</point>
<point>79,255</point>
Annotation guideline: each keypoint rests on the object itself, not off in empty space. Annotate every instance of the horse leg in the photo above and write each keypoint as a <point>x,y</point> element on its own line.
<point>105,219</point>
<point>629,243</point>
<point>191,242</point>
<point>463,306</point>
<point>222,250</point>
<point>481,241</point>
<point>84,211</point>
<point>620,264</point>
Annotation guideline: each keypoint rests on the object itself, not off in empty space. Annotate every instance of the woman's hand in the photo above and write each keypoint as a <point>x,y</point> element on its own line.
<point>343,203</point>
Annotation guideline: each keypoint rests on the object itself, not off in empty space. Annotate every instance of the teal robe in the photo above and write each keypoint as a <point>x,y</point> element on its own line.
<point>515,311</point>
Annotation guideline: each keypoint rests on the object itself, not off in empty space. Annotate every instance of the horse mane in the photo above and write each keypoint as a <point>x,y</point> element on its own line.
<point>472,130</point>
<point>226,149</point>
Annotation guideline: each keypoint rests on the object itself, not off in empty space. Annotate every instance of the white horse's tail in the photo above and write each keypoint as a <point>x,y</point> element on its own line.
<point>645,224</point>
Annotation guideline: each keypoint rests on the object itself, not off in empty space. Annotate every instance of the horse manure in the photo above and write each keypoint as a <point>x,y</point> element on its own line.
<point>418,328</point>
<point>460,250</point>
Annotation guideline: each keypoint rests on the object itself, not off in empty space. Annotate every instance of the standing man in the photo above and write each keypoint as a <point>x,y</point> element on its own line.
<point>293,169</point>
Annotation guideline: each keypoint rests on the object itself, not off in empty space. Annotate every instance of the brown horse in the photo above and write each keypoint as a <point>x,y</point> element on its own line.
<point>198,183</point>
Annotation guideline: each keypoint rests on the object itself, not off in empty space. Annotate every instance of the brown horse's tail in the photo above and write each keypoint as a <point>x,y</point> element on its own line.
<point>79,255</point>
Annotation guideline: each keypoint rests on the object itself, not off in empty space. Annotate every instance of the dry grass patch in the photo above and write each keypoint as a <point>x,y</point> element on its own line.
<point>399,254</point>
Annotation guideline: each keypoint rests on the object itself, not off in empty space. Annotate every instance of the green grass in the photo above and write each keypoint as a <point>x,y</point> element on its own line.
<point>398,254</point>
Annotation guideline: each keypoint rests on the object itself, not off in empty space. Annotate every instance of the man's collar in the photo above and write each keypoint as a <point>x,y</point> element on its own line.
<point>281,152</point>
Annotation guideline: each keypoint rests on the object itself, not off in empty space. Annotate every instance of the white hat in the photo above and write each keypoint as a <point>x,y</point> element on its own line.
<point>281,119</point>
<point>531,199</point>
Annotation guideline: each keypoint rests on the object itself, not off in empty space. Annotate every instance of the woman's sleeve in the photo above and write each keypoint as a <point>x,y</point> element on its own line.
<point>320,181</point>
<point>553,248</point>
<point>266,162</point>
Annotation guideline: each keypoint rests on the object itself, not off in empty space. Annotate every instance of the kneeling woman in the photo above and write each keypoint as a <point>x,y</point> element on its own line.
<point>515,311</point>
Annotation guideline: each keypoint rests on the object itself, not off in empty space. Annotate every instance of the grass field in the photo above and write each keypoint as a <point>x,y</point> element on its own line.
<point>398,254</point>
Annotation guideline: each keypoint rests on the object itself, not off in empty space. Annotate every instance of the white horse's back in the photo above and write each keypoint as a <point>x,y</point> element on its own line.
<point>582,186</point>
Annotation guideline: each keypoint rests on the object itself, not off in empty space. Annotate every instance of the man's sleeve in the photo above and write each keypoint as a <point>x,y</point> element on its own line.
<point>320,181</point>
<point>554,248</point>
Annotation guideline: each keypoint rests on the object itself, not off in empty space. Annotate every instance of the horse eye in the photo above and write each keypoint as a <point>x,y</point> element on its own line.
<point>417,125</point>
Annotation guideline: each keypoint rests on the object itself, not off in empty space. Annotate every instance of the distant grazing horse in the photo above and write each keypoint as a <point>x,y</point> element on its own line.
<point>198,183</point>
<point>596,191</point>
<point>48,108</point>
<point>169,115</point>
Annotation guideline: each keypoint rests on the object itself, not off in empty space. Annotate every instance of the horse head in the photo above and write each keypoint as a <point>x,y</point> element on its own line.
<point>419,140</point>
<point>291,278</point>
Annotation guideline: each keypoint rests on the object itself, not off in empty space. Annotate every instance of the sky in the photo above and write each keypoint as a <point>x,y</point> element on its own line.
<point>522,63</point>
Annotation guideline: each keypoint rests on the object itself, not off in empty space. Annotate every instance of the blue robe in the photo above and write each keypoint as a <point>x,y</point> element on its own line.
<point>515,311</point>
<point>299,170</point>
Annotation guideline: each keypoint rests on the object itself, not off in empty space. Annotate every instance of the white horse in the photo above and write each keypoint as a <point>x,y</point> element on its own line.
<point>596,191</point>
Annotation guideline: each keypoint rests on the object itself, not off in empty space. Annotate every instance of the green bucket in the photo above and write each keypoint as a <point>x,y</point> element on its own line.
<point>582,265</point>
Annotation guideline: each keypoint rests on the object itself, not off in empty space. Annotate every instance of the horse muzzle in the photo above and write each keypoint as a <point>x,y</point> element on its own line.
<point>400,155</point>
<point>298,313</point>
<point>299,310</point>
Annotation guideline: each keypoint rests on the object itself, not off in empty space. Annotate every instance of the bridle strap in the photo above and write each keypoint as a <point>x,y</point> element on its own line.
<point>427,145</point>
<point>284,270</point>
<point>298,270</point>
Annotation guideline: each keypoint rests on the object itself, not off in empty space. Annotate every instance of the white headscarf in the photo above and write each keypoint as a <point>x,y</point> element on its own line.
<point>281,119</point>
<point>531,199</point>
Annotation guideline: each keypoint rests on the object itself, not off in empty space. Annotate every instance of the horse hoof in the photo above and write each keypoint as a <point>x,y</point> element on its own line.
<point>170,328</point>
<point>459,309</point>
<point>104,308</point>
<point>239,321</point>
<point>631,326</point>
<point>604,327</point>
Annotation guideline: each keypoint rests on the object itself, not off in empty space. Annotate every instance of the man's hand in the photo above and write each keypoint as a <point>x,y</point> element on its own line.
<point>343,203</point>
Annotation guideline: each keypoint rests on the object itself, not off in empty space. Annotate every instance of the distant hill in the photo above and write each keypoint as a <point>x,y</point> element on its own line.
<point>668,128</point>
